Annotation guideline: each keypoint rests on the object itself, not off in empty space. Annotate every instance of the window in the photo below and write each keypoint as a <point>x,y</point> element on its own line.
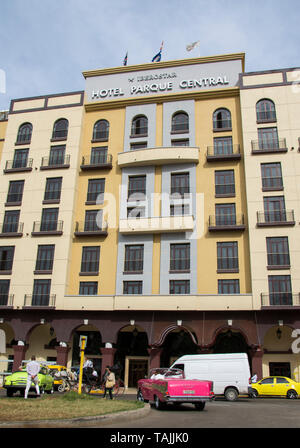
<point>53,189</point>
<point>180,184</point>
<point>41,292</point>
<point>224,183</point>
<point>11,221</point>
<point>135,212</point>
<point>139,126</point>
<point>99,155</point>
<point>24,133</point>
<point>136,146</point>
<point>265,111</point>
<point>180,122</point>
<point>223,146</point>
<point>60,129</point>
<point>267,381</point>
<point>15,191</point>
<point>132,287</point>
<point>179,287</point>
<point>225,215</point>
<point>45,257</point>
<point>95,190</point>
<point>49,219</point>
<point>179,209</point>
<point>101,130</point>
<point>221,119</point>
<point>280,290</point>
<point>90,259</point>
<point>6,258</point>
<point>274,209</point>
<point>136,187</point>
<point>20,158</point>
<point>271,176</point>
<point>278,252</point>
<point>180,257</point>
<point>181,142</point>
<point>4,290</point>
<point>268,138</point>
<point>57,155</point>
<point>88,288</point>
<point>227,254</point>
<point>92,220</point>
<point>134,258</point>
<point>228,287</point>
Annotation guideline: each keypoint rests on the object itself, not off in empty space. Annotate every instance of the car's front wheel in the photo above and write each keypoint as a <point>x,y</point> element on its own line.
<point>292,394</point>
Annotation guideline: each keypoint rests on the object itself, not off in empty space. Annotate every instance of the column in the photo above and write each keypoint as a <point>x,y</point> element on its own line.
<point>256,355</point>
<point>108,354</point>
<point>154,353</point>
<point>62,354</point>
<point>19,355</point>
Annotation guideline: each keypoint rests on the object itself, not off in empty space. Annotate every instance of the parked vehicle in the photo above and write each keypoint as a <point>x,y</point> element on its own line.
<point>276,386</point>
<point>167,385</point>
<point>17,382</point>
<point>58,373</point>
<point>229,372</point>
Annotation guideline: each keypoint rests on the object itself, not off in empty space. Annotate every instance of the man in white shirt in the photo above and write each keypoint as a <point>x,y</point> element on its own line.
<point>32,369</point>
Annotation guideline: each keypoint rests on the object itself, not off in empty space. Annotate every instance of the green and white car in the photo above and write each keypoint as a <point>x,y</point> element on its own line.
<point>17,382</point>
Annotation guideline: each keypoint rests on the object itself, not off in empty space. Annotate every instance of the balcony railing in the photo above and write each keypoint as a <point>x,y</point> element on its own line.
<point>226,152</point>
<point>280,299</point>
<point>12,166</point>
<point>272,183</point>
<point>12,229</point>
<point>47,228</point>
<point>55,162</point>
<point>6,300</point>
<point>267,146</point>
<point>98,161</point>
<point>40,300</point>
<point>90,228</point>
<point>226,222</point>
<point>276,218</point>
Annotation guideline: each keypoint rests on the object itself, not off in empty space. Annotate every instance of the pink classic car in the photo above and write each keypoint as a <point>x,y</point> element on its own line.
<point>166,385</point>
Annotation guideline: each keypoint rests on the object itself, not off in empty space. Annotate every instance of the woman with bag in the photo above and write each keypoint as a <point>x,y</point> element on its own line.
<point>109,383</point>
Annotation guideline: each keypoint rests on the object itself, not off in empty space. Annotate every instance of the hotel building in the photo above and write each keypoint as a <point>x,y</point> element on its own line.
<point>129,215</point>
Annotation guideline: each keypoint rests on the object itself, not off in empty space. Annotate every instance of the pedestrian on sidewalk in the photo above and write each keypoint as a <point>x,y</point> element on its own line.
<point>32,369</point>
<point>110,382</point>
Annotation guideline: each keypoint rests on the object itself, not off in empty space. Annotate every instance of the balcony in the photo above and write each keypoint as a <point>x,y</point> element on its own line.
<point>13,166</point>
<point>280,299</point>
<point>159,156</point>
<point>39,301</point>
<point>219,153</point>
<point>269,146</point>
<point>53,163</point>
<point>41,228</point>
<point>276,218</point>
<point>226,222</point>
<point>91,162</point>
<point>160,224</point>
<point>88,229</point>
<point>11,230</point>
<point>6,300</point>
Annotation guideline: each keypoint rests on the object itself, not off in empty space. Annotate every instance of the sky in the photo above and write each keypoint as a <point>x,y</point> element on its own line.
<point>45,45</point>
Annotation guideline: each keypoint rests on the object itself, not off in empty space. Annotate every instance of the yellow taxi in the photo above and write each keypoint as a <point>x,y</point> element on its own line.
<point>275,386</point>
<point>57,372</point>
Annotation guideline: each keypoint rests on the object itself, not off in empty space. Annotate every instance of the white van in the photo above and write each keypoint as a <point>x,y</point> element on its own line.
<point>229,372</point>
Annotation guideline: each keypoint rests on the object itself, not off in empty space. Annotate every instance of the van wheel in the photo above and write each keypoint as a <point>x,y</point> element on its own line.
<point>200,406</point>
<point>231,394</point>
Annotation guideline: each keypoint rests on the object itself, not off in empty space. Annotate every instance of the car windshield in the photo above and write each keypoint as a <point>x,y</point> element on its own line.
<point>161,373</point>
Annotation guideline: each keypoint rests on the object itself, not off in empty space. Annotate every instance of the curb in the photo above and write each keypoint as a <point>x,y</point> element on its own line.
<point>108,418</point>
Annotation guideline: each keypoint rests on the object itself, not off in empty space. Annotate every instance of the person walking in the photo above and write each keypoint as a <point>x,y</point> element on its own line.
<point>32,369</point>
<point>109,382</point>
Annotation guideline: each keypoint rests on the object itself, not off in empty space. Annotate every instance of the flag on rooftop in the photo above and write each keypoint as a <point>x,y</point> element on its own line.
<point>157,57</point>
<point>125,59</point>
<point>192,45</point>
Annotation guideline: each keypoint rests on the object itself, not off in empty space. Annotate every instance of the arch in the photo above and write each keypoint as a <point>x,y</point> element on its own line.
<point>265,110</point>
<point>101,130</point>
<point>177,341</point>
<point>230,340</point>
<point>24,133</point>
<point>93,346</point>
<point>170,329</point>
<point>60,129</point>
<point>222,119</point>
<point>139,126</point>
<point>180,122</point>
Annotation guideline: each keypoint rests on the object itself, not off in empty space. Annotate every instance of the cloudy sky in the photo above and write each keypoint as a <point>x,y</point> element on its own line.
<point>46,44</point>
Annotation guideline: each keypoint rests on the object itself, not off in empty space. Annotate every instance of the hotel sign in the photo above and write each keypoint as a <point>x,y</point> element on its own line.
<point>183,78</point>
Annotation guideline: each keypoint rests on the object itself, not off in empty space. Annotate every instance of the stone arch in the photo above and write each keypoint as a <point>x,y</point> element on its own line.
<point>176,341</point>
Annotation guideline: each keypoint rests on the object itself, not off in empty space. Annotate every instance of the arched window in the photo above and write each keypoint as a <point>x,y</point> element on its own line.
<point>139,126</point>
<point>180,122</point>
<point>265,110</point>
<point>222,119</point>
<point>60,129</point>
<point>101,130</point>
<point>24,133</point>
